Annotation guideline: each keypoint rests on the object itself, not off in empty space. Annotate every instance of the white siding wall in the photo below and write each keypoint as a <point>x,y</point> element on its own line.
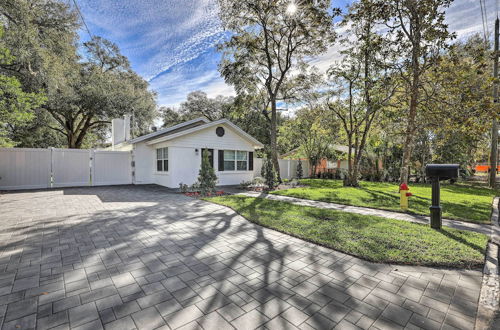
<point>184,163</point>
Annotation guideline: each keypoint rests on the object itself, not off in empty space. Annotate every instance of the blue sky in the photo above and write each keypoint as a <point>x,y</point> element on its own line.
<point>171,43</point>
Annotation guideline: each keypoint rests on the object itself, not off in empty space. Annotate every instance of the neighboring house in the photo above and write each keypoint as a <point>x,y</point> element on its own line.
<point>324,165</point>
<point>172,155</point>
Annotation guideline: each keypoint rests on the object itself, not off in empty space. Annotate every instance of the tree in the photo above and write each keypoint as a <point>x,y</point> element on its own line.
<point>269,39</point>
<point>363,85</point>
<point>418,33</point>
<point>98,90</point>
<point>206,178</point>
<point>83,92</point>
<point>170,117</point>
<point>41,36</point>
<point>314,132</point>
<point>455,117</point>
<point>16,106</point>
<point>198,104</point>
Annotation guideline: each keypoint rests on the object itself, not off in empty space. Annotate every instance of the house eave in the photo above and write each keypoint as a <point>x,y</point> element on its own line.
<point>256,144</point>
<point>166,130</point>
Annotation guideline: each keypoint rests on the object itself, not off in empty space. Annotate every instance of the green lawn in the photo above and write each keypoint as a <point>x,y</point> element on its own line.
<point>459,201</point>
<point>372,238</point>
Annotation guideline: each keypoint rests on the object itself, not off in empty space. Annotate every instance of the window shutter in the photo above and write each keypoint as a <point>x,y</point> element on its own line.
<point>250,161</point>
<point>211,157</point>
<point>221,160</point>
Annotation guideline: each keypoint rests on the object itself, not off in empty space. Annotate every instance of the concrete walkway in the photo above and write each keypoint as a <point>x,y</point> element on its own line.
<point>139,257</point>
<point>480,228</point>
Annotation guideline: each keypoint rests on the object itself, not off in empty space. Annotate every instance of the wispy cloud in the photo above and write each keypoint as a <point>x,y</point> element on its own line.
<point>172,42</point>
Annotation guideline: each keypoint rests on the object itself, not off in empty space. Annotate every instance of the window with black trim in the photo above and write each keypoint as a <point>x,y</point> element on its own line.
<point>235,160</point>
<point>162,160</point>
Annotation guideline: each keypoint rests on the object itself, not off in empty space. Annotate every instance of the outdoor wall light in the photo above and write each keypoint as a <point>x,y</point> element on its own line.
<point>196,151</point>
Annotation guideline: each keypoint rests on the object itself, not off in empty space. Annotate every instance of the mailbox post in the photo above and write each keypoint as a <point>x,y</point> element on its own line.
<point>437,173</point>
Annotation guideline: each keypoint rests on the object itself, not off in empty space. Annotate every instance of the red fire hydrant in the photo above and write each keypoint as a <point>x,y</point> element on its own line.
<point>404,193</point>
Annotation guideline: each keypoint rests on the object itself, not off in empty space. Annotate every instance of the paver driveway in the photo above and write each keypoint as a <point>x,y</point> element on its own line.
<point>142,257</point>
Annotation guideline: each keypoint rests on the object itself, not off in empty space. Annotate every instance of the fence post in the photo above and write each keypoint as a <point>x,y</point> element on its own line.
<point>132,165</point>
<point>92,166</point>
<point>51,174</point>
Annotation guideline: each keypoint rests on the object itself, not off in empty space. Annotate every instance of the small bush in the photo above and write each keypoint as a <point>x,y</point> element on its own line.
<point>183,187</point>
<point>270,175</point>
<point>195,187</point>
<point>245,184</point>
<point>300,172</point>
<point>207,178</point>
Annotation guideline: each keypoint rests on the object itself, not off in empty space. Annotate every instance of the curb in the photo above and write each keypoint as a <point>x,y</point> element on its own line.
<point>489,298</point>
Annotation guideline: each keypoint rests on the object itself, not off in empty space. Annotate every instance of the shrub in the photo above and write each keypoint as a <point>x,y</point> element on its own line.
<point>300,172</point>
<point>195,187</point>
<point>183,187</point>
<point>258,180</point>
<point>269,173</point>
<point>245,184</point>
<point>206,178</point>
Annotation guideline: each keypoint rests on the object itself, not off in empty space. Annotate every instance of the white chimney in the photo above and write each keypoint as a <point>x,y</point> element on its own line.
<point>120,130</point>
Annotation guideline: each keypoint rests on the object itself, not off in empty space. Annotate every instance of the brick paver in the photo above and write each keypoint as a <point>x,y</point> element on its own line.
<point>143,257</point>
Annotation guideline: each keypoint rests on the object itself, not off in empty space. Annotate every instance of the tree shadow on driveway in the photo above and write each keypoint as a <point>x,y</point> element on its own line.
<point>142,257</point>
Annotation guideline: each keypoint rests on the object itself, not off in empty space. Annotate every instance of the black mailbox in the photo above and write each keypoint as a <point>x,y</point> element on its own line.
<point>439,172</point>
<point>442,171</point>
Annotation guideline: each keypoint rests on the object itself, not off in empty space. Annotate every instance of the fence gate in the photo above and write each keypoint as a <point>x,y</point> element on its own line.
<point>70,167</point>
<point>22,168</point>
<point>111,167</point>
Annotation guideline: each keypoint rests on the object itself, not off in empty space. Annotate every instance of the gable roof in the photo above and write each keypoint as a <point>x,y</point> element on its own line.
<point>197,128</point>
<point>172,129</point>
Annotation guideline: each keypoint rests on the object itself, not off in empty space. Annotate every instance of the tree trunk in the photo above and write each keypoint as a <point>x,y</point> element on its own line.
<point>355,171</point>
<point>349,181</point>
<point>412,114</point>
<point>409,139</point>
<point>71,140</point>
<point>274,144</point>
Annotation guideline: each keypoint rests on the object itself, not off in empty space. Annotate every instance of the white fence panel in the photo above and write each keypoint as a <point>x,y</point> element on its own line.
<point>288,168</point>
<point>285,172</point>
<point>24,168</point>
<point>111,167</point>
<point>70,167</point>
<point>257,166</point>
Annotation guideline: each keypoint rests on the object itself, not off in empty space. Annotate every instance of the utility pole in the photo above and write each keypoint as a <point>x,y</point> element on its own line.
<point>494,126</point>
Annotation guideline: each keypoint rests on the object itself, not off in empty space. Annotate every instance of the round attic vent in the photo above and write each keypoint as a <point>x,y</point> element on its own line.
<point>219,131</point>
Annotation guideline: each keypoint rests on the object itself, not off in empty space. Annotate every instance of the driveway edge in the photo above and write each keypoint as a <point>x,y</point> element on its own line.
<point>488,306</point>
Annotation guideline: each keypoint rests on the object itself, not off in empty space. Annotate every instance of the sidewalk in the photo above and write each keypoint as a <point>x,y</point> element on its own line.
<point>479,228</point>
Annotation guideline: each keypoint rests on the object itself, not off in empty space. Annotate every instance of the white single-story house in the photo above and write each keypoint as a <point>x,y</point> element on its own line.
<point>172,155</point>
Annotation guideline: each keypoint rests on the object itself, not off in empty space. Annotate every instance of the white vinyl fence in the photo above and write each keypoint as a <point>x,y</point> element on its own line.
<point>111,167</point>
<point>70,167</point>
<point>288,168</point>
<point>25,168</point>
<point>22,168</point>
